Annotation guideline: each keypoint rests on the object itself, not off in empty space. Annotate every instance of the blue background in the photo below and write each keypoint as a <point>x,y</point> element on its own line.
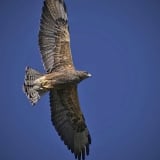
<point>118,41</point>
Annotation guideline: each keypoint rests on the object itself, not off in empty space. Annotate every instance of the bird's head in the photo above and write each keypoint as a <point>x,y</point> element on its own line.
<point>83,75</point>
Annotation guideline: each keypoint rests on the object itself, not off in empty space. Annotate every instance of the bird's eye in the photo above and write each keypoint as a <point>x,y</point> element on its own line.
<point>88,74</point>
<point>85,72</point>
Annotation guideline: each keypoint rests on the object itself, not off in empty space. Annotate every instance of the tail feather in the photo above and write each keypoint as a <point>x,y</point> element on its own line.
<point>30,76</point>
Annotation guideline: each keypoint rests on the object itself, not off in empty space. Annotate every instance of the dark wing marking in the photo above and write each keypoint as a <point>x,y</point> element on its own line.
<point>69,121</point>
<point>54,38</point>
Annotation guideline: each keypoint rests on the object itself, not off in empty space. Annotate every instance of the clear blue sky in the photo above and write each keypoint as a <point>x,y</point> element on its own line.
<point>118,41</point>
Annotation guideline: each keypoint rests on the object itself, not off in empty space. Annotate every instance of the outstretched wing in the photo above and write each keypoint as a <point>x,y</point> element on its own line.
<point>69,121</point>
<point>54,38</point>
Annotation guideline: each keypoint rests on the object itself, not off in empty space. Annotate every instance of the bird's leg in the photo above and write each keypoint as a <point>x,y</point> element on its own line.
<point>46,84</point>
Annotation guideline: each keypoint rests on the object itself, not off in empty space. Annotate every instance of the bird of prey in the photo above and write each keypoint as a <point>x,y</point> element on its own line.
<point>60,79</point>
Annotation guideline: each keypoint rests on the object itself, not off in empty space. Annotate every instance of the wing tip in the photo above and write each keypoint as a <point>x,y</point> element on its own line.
<point>83,152</point>
<point>81,155</point>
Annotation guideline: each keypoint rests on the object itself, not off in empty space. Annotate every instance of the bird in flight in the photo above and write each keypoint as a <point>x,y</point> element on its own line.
<point>60,79</point>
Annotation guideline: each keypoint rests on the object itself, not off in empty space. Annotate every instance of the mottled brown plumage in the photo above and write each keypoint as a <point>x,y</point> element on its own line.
<point>60,80</point>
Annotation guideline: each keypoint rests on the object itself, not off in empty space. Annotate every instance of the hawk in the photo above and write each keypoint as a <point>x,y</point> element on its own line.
<point>60,79</point>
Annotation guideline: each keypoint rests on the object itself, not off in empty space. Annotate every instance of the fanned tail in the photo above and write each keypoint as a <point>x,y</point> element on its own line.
<point>29,86</point>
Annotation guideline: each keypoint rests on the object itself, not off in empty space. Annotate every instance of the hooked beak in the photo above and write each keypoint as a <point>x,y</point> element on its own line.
<point>89,75</point>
